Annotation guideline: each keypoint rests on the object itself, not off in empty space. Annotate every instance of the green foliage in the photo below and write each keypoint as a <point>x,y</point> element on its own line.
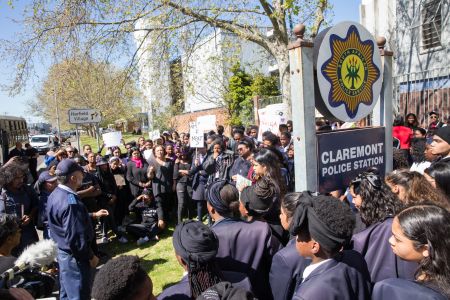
<point>242,87</point>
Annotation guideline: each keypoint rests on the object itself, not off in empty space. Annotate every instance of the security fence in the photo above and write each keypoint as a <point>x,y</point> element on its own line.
<point>422,92</point>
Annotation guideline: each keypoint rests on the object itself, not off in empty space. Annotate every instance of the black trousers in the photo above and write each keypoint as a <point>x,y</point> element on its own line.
<point>163,204</point>
<point>142,230</point>
<point>184,194</point>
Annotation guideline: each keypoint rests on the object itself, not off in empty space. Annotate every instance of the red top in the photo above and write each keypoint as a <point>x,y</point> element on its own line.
<point>403,134</point>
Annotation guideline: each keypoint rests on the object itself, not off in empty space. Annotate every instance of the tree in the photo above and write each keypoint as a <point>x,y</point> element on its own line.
<point>103,27</point>
<point>242,87</point>
<point>85,84</point>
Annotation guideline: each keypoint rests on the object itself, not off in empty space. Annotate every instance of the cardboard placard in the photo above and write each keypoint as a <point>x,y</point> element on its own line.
<point>112,139</point>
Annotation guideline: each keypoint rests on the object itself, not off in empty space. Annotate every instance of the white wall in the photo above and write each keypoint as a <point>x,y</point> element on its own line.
<point>154,69</point>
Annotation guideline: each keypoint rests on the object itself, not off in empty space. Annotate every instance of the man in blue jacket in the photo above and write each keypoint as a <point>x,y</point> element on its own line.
<point>70,227</point>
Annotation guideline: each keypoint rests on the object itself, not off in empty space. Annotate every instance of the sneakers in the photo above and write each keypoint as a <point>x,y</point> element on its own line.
<point>155,238</point>
<point>142,240</point>
<point>123,240</point>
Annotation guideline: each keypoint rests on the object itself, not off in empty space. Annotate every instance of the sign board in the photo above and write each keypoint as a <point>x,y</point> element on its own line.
<point>206,123</point>
<point>342,155</point>
<point>196,139</point>
<point>84,116</point>
<point>270,118</point>
<point>154,135</point>
<point>349,72</point>
<point>112,139</point>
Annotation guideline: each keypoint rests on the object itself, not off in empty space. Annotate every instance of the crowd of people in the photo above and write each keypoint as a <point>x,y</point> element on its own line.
<point>380,237</point>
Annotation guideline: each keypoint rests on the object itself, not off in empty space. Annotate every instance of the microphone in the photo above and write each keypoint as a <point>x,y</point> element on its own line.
<point>41,253</point>
<point>38,254</point>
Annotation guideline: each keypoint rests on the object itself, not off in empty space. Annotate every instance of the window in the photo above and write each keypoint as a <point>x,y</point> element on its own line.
<point>431,24</point>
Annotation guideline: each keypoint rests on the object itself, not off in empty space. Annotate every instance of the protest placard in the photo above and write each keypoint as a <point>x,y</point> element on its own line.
<point>196,138</point>
<point>154,135</point>
<point>206,123</point>
<point>112,139</point>
<point>270,118</point>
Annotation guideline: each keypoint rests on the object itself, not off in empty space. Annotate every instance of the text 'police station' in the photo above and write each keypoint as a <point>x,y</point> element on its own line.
<point>334,158</point>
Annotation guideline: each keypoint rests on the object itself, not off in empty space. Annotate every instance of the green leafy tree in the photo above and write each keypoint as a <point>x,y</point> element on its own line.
<point>85,84</point>
<point>242,87</point>
<point>103,28</point>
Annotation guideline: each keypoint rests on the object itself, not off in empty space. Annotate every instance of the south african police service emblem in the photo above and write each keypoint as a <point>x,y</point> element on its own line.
<point>349,71</point>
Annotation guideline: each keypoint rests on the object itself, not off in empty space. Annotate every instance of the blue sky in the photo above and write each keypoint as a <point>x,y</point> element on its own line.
<point>343,10</point>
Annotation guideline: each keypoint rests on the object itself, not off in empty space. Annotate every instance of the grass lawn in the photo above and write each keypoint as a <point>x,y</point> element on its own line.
<point>157,258</point>
<point>85,139</point>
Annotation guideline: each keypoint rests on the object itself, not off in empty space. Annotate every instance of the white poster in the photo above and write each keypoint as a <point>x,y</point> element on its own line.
<point>154,135</point>
<point>206,123</point>
<point>270,118</point>
<point>196,138</point>
<point>112,139</point>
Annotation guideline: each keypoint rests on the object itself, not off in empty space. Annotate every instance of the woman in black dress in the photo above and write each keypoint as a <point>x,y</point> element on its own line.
<point>161,174</point>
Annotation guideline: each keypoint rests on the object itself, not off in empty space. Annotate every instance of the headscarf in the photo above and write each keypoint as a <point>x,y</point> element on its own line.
<point>213,197</point>
<point>305,215</point>
<point>255,204</point>
<point>195,243</point>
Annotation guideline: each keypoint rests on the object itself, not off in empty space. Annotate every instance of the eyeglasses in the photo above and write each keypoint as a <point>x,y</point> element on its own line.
<point>240,149</point>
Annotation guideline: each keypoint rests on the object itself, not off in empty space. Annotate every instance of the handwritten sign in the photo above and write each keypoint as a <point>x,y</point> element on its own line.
<point>112,139</point>
<point>196,138</point>
<point>271,117</point>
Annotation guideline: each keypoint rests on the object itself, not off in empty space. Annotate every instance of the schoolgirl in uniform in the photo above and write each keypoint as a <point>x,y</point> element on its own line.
<point>420,234</point>
<point>377,206</point>
<point>287,266</point>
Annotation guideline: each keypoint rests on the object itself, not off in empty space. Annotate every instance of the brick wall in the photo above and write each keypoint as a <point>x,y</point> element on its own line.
<point>181,122</point>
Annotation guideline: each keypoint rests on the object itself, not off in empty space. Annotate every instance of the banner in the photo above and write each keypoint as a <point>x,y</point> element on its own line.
<point>154,135</point>
<point>206,123</point>
<point>342,155</point>
<point>270,118</point>
<point>112,139</point>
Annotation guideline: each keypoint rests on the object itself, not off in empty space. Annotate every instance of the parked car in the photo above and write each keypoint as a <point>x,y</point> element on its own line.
<point>43,142</point>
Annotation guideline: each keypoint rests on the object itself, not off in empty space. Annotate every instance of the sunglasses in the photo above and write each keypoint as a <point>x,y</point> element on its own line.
<point>433,117</point>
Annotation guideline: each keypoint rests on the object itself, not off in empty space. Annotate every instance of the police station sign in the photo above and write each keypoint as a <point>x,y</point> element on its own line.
<point>342,155</point>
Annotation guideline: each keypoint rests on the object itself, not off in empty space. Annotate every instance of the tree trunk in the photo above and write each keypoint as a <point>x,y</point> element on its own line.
<point>282,56</point>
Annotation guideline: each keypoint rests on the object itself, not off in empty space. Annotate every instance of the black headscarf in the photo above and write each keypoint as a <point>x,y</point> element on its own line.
<point>213,197</point>
<point>305,215</point>
<point>196,243</point>
<point>255,205</point>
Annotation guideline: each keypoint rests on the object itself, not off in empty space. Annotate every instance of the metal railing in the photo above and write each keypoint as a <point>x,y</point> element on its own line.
<point>422,92</point>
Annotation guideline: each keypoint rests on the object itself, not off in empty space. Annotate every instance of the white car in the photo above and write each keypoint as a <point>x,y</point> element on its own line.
<point>42,142</point>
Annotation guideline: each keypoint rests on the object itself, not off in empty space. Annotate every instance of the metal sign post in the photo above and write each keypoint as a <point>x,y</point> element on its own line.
<point>78,137</point>
<point>303,112</point>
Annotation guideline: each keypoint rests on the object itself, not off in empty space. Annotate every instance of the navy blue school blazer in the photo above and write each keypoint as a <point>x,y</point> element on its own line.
<point>344,277</point>
<point>287,268</point>
<point>247,247</point>
<point>401,289</point>
<point>373,244</point>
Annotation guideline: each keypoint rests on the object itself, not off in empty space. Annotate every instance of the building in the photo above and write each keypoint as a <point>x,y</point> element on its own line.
<point>153,67</point>
<point>202,72</point>
<point>418,31</point>
<point>207,68</point>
